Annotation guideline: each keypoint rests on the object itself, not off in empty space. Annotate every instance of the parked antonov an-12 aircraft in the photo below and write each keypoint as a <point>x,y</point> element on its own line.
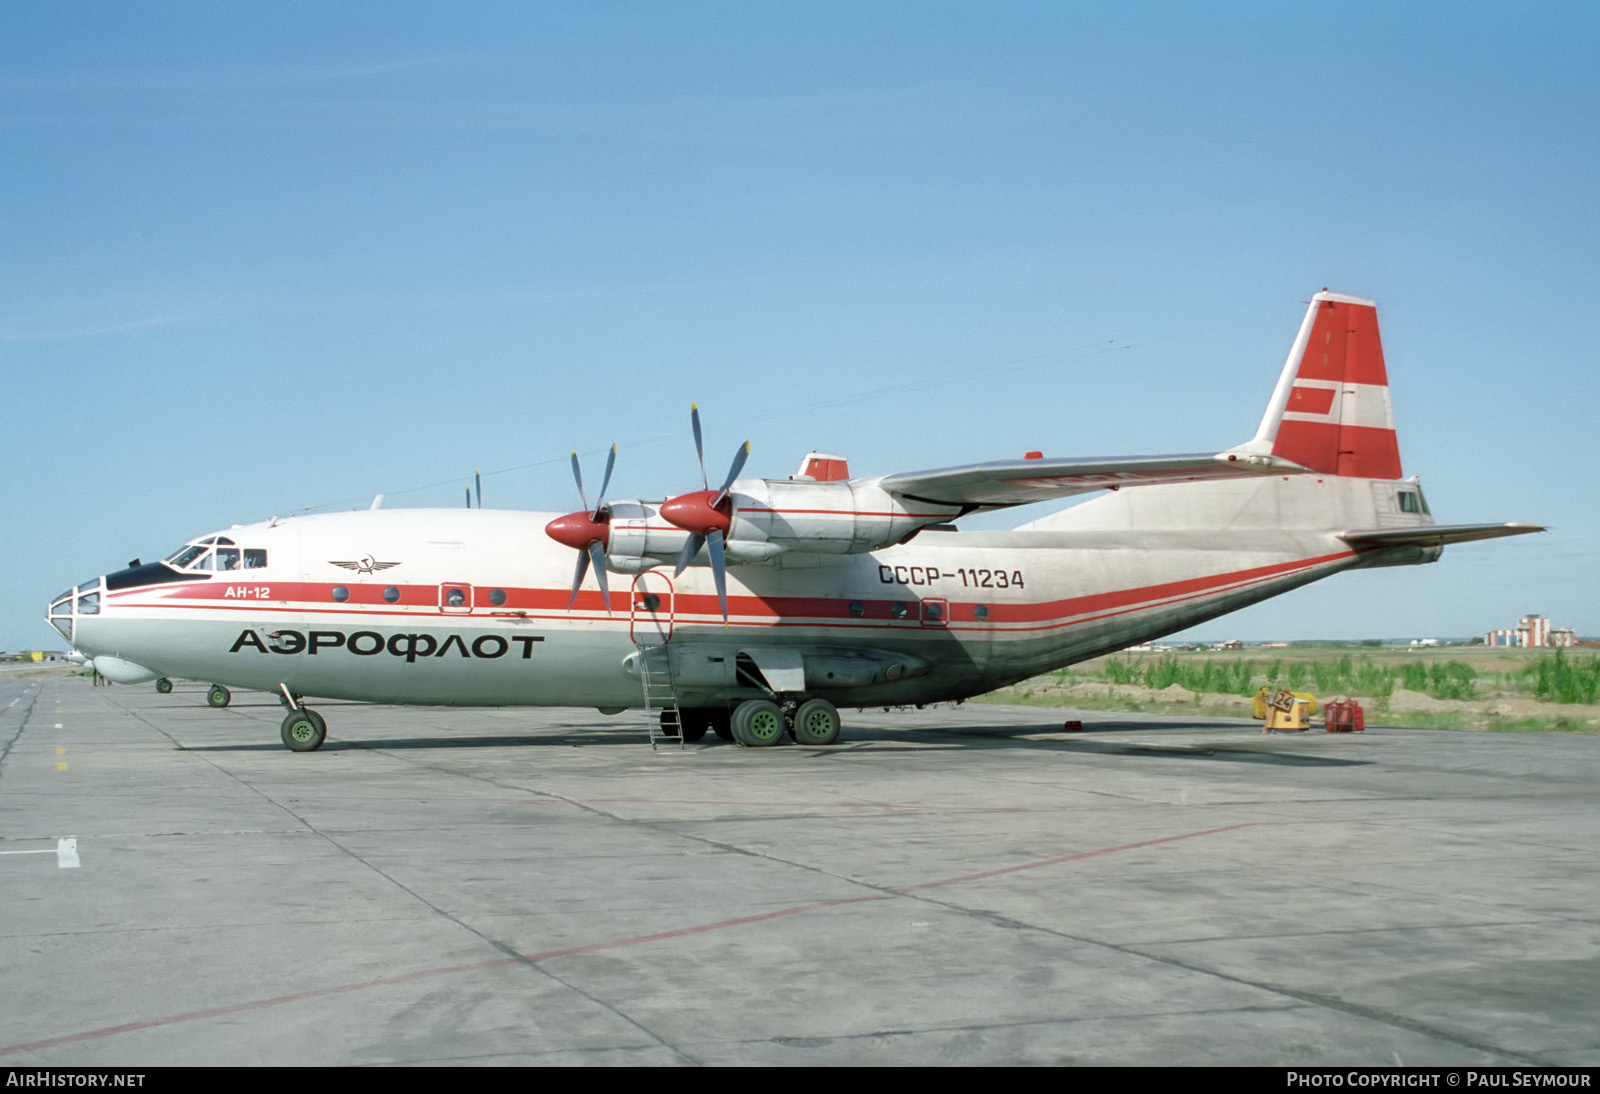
<point>762,606</point>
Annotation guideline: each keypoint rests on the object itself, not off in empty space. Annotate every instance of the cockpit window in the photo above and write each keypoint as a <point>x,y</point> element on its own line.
<point>199,556</point>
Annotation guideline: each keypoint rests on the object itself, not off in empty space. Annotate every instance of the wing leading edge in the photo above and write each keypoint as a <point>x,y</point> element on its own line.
<point>999,484</point>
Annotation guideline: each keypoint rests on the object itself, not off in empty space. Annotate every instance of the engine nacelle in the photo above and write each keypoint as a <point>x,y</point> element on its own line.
<point>828,518</point>
<point>639,539</point>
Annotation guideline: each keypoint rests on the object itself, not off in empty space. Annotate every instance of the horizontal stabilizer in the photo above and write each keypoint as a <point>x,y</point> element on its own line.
<point>1002,483</point>
<point>1435,535</point>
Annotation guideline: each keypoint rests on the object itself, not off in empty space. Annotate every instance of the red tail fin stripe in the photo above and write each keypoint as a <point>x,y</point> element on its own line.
<point>1344,345</point>
<point>1364,405</point>
<point>1340,449</point>
<point>1310,400</point>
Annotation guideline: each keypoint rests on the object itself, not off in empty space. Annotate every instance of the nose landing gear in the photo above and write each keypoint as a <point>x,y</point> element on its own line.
<point>303,729</point>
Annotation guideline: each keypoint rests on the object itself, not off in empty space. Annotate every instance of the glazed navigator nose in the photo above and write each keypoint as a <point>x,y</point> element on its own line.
<point>66,607</point>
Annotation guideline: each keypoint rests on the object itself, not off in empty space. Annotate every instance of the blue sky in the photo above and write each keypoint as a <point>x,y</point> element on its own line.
<point>261,258</point>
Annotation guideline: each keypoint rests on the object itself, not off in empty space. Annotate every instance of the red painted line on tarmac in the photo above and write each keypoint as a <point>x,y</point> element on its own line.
<point>477,966</point>
<point>799,909</point>
<point>1077,858</point>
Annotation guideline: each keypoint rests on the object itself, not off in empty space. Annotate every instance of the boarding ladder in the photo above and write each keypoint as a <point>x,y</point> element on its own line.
<point>661,715</point>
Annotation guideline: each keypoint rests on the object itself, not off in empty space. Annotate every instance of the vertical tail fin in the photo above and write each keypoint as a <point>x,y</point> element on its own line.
<point>1330,411</point>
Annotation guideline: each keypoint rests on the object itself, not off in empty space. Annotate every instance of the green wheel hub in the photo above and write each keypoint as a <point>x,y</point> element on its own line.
<point>766,725</point>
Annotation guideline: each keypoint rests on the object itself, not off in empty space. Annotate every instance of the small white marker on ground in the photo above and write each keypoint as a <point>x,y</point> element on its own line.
<point>67,853</point>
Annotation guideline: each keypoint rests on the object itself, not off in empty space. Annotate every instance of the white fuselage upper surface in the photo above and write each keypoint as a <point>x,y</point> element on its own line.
<point>470,606</point>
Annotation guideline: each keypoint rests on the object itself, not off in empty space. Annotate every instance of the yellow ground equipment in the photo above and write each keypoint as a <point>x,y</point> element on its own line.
<point>1282,709</point>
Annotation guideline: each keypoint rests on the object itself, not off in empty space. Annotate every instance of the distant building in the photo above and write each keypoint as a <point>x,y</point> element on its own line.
<point>1532,632</point>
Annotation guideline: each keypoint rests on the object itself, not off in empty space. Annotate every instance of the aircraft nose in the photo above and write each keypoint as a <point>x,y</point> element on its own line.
<point>74,604</point>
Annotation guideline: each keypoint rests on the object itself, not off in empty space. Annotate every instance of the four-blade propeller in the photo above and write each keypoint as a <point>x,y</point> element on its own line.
<point>587,531</point>
<point>706,515</point>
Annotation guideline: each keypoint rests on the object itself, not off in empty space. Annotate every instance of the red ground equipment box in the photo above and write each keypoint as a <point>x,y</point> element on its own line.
<point>1344,716</point>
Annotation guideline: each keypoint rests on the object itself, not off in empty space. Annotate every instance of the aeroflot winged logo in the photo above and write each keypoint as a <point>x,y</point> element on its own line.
<point>364,565</point>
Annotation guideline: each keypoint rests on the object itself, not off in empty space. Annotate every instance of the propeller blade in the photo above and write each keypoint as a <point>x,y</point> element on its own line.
<point>577,578</point>
<point>477,480</point>
<point>598,554</point>
<point>469,497</point>
<point>733,473</point>
<point>600,502</point>
<point>691,547</point>
<point>577,474</point>
<point>699,448</point>
<point>719,570</point>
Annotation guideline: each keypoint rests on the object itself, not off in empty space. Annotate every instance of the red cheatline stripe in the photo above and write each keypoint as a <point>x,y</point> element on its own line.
<point>748,610</point>
<point>741,921</point>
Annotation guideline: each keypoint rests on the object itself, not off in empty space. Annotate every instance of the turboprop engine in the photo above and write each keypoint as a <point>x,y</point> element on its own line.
<point>763,518</point>
<point>821,510</point>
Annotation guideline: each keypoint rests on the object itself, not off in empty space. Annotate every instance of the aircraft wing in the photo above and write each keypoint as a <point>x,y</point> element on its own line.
<point>1435,535</point>
<point>1002,483</point>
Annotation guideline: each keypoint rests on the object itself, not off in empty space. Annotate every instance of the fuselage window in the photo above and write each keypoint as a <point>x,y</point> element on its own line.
<point>454,598</point>
<point>980,612</point>
<point>497,597</point>
<point>255,560</point>
<point>392,595</point>
<point>227,558</point>
<point>1408,502</point>
<point>857,609</point>
<point>340,593</point>
<point>898,609</point>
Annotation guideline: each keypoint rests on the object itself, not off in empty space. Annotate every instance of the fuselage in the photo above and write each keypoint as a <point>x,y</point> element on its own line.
<point>470,607</point>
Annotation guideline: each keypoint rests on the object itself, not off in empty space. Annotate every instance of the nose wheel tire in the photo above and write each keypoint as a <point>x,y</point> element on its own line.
<point>816,723</point>
<point>758,724</point>
<point>218,696</point>
<point>303,731</point>
<point>164,686</point>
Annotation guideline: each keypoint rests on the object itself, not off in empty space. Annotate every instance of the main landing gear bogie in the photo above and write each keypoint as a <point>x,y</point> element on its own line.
<point>761,723</point>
